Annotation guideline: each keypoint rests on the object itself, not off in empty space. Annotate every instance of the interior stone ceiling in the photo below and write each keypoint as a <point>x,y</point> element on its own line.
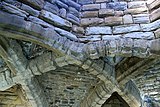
<point>79,53</point>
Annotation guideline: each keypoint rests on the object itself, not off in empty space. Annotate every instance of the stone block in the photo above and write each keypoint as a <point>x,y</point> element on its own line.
<point>126,28</point>
<point>83,2</point>
<point>87,14</point>
<point>30,10</point>
<point>136,11</point>
<point>73,19</point>
<point>91,21</point>
<point>71,3</point>
<point>38,21</point>
<point>151,26</point>
<point>155,47</point>
<point>140,35</point>
<point>98,30</point>
<point>66,34</point>
<point>118,13</point>
<point>38,4</point>
<point>155,14</point>
<point>63,12</point>
<point>74,11</point>
<point>90,38</point>
<point>157,33</point>
<point>106,12</point>
<point>55,20</point>
<point>61,4</point>
<point>100,1</point>
<point>111,37</point>
<point>155,4</point>
<point>91,7</point>
<point>113,20</point>
<point>51,7</point>
<point>103,5</point>
<point>13,9</point>
<point>137,4</point>
<point>119,6</point>
<point>127,19</point>
<point>78,29</point>
<point>141,18</point>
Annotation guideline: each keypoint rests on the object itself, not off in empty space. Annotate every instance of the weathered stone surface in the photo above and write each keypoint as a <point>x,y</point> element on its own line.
<point>140,35</point>
<point>55,20</point>
<point>73,18</point>
<point>51,7</point>
<point>35,3</point>
<point>155,47</point>
<point>117,6</point>
<point>100,1</point>
<point>13,9</point>
<point>74,11</point>
<point>87,14</point>
<point>106,12</point>
<point>111,37</point>
<point>136,11</point>
<point>91,21</point>
<point>61,4</point>
<point>136,4</point>
<point>91,7</point>
<point>63,12</point>
<point>118,13</point>
<point>113,20</point>
<point>155,14</point>
<point>157,33</point>
<point>72,4</point>
<point>82,2</point>
<point>78,29</point>
<point>141,18</point>
<point>90,38</point>
<point>154,4</point>
<point>103,5</point>
<point>126,28</point>
<point>98,30</point>
<point>38,21</point>
<point>127,19</point>
<point>30,10</point>
<point>151,26</point>
<point>66,34</point>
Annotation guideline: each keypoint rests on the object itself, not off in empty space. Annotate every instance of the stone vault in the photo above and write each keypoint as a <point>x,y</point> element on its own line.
<point>79,53</point>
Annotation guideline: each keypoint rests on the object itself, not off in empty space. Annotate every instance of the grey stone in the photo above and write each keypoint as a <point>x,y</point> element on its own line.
<point>98,30</point>
<point>74,11</point>
<point>61,4</point>
<point>51,7</point>
<point>91,21</point>
<point>111,37</point>
<point>90,38</point>
<point>151,26</point>
<point>141,18</point>
<point>72,4</point>
<point>30,10</point>
<point>66,34</point>
<point>55,20</point>
<point>82,2</point>
<point>140,35</point>
<point>38,4</point>
<point>136,4</point>
<point>126,28</point>
<point>91,7</point>
<point>13,9</point>
<point>38,21</point>
<point>73,18</point>
<point>127,19</point>
<point>63,12</point>
<point>117,6</point>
